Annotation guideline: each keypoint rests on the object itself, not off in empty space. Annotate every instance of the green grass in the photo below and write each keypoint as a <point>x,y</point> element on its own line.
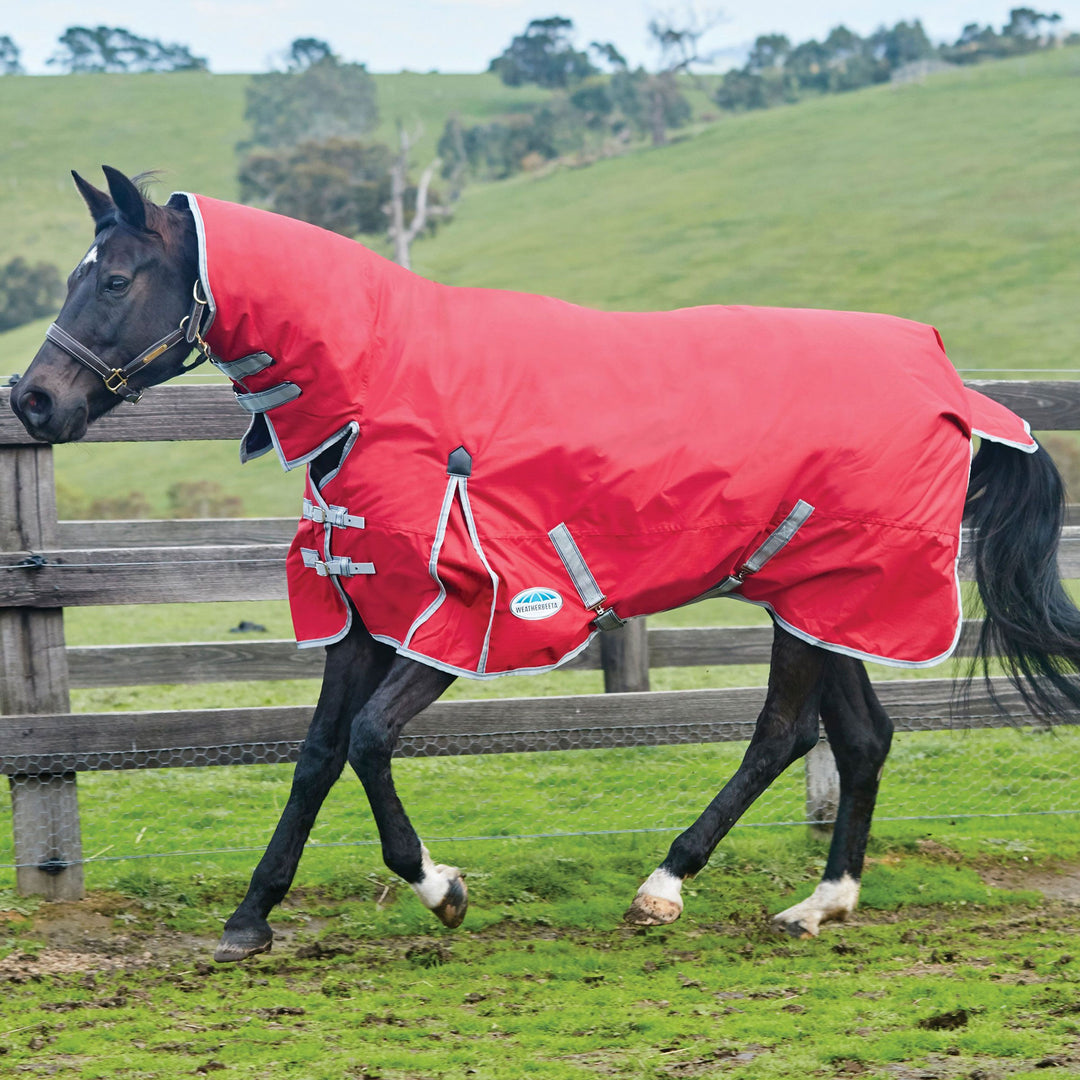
<point>960,979</point>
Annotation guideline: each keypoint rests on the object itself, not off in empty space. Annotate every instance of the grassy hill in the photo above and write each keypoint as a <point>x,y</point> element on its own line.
<point>952,201</point>
<point>185,124</point>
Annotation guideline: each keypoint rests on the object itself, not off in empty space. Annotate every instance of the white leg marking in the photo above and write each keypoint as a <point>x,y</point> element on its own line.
<point>434,882</point>
<point>658,901</point>
<point>830,900</point>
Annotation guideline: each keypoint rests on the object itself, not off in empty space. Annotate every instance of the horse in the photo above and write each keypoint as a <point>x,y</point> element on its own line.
<point>162,281</point>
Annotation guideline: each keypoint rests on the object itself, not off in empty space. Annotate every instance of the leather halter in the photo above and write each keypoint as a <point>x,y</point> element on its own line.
<point>116,378</point>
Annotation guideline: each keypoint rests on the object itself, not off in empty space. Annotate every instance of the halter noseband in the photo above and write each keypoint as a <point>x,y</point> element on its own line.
<point>116,378</point>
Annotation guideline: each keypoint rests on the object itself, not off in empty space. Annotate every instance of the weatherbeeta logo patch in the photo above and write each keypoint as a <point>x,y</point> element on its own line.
<point>538,603</point>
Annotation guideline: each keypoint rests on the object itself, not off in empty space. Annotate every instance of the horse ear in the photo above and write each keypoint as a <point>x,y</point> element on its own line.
<point>128,198</point>
<point>98,203</point>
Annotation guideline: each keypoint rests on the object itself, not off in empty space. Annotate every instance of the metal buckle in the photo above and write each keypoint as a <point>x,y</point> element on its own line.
<point>117,376</point>
<point>606,619</point>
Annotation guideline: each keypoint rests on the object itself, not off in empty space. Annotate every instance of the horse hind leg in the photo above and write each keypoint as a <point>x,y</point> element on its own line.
<point>408,688</point>
<point>787,728</point>
<point>860,733</point>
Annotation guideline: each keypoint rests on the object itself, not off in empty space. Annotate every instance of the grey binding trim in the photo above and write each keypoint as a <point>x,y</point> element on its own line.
<point>463,494</point>
<point>243,366</point>
<point>433,562</point>
<point>576,567</point>
<point>265,400</point>
<point>200,233</point>
<point>1027,448</point>
<point>457,485</point>
<point>778,539</point>
<point>256,440</point>
<point>338,516</point>
<point>468,673</point>
<point>335,565</point>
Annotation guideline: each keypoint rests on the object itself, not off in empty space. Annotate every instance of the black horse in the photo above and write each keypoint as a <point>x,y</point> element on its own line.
<point>129,322</point>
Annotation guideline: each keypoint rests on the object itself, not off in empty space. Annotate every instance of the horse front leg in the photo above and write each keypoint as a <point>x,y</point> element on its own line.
<point>860,734</point>
<point>408,688</point>
<point>787,728</point>
<point>355,666</point>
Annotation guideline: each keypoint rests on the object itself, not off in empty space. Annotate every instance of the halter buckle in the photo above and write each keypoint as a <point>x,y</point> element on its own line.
<point>115,380</point>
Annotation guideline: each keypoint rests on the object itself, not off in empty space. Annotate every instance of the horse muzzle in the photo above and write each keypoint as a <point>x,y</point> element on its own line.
<point>44,418</point>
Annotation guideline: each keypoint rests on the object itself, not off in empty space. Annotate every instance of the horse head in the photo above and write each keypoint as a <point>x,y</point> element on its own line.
<point>127,321</point>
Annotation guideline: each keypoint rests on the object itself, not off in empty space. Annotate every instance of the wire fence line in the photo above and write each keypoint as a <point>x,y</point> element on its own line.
<point>567,792</point>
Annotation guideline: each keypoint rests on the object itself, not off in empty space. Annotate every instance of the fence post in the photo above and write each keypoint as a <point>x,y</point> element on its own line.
<point>624,656</point>
<point>822,787</point>
<point>34,679</point>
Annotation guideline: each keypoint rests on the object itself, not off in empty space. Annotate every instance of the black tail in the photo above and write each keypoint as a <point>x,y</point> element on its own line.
<point>1016,508</point>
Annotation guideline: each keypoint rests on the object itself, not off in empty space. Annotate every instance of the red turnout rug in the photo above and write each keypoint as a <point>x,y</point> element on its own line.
<point>510,471</point>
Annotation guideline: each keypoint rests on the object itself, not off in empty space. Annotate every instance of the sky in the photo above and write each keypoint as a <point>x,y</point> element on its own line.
<point>463,35</point>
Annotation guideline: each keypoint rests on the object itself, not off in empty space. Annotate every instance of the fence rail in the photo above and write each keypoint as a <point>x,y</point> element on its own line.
<point>47,565</point>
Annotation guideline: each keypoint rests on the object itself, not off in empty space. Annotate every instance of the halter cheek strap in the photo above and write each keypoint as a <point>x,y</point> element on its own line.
<point>116,378</point>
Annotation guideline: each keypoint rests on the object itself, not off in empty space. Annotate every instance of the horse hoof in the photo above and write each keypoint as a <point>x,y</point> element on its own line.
<point>794,929</point>
<point>239,944</point>
<point>649,910</point>
<point>452,910</point>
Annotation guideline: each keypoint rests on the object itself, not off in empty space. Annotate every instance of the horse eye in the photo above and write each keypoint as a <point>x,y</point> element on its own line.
<point>116,284</point>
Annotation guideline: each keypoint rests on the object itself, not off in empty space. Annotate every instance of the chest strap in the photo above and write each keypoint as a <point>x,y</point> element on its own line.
<point>338,516</point>
<point>336,565</point>
<point>265,400</point>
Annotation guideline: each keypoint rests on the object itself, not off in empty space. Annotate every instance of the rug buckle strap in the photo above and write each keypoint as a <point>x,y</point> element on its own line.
<point>335,565</point>
<point>592,596</point>
<point>338,516</point>
<point>779,538</point>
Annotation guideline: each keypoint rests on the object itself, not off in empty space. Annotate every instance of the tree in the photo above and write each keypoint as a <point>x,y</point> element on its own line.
<point>9,57</point>
<point>903,44</point>
<point>544,55</point>
<point>27,291</point>
<point>401,234</point>
<point>1021,34</point>
<point>324,99</point>
<point>768,53</point>
<point>112,48</point>
<point>1024,24</point>
<point>307,52</point>
<point>337,184</point>
<point>679,47</point>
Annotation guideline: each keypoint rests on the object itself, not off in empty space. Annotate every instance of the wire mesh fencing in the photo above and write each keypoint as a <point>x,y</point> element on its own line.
<point>182,808</point>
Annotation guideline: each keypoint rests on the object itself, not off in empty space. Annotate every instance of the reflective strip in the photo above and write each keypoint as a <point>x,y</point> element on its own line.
<point>335,566</point>
<point>576,567</point>
<point>265,400</point>
<point>244,366</point>
<point>779,538</point>
<point>338,516</point>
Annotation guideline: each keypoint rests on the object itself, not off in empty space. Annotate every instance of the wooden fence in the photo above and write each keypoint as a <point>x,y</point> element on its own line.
<point>47,565</point>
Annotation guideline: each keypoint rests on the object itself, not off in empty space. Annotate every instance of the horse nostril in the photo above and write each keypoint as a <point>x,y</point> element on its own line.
<point>35,405</point>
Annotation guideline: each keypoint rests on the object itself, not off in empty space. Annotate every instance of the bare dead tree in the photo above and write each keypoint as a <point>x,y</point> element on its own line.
<point>678,40</point>
<point>402,235</point>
